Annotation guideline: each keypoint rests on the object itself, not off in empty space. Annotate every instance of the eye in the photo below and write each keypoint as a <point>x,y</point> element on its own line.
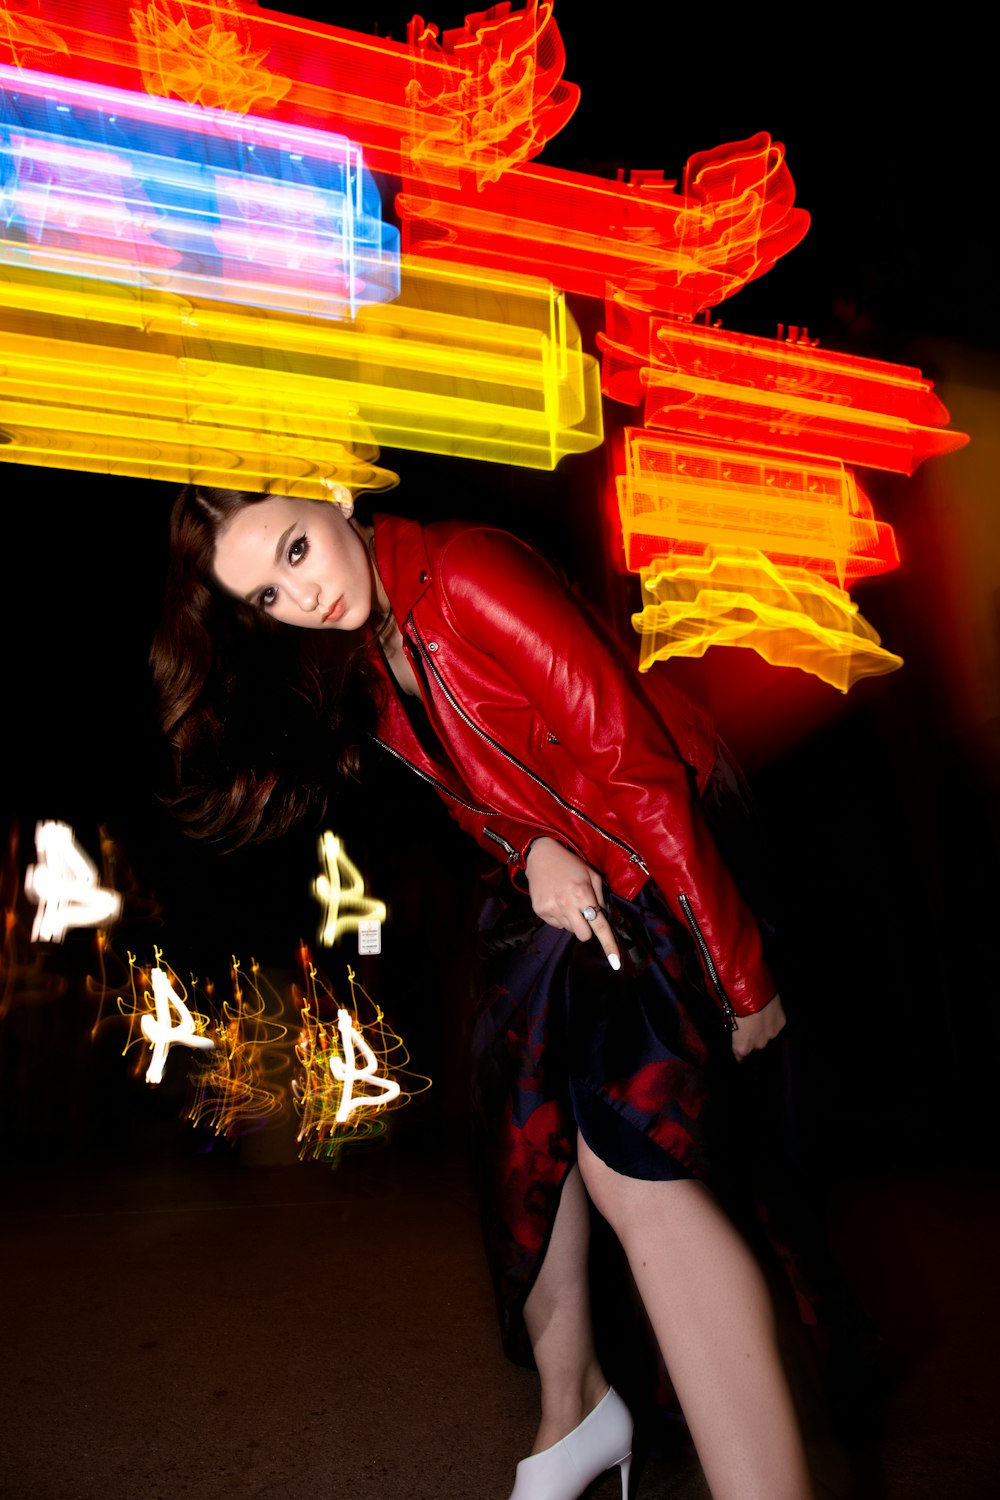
<point>267,597</point>
<point>298,549</point>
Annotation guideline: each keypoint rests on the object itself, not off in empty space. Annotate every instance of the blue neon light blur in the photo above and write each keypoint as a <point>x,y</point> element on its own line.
<point>125,187</point>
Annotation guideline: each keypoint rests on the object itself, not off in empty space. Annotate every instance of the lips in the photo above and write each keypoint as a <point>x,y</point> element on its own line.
<point>335,611</point>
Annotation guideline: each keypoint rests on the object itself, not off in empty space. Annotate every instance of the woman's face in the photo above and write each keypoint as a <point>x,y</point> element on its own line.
<point>300,561</point>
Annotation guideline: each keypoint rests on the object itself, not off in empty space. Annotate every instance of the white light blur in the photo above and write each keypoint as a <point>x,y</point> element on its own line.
<point>346,1071</point>
<point>66,887</point>
<point>162,1033</point>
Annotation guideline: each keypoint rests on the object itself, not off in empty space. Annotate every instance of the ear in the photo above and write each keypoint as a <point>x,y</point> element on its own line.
<point>340,495</point>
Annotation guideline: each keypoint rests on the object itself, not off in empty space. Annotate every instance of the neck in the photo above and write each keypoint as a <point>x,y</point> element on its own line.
<point>398,661</point>
<point>390,636</point>
<point>367,535</point>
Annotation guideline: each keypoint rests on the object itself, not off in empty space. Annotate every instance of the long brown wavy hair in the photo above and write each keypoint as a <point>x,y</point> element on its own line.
<point>262,718</point>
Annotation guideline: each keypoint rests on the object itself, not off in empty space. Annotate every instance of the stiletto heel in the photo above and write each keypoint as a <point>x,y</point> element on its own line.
<point>602,1441</point>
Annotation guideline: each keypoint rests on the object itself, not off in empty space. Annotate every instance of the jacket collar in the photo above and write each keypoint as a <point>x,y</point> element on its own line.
<point>402,561</point>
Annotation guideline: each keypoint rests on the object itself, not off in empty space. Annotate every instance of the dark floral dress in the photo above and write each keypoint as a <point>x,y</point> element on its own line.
<point>639,1062</point>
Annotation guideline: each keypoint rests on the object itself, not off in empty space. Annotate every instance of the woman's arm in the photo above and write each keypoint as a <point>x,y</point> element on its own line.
<point>509,604</point>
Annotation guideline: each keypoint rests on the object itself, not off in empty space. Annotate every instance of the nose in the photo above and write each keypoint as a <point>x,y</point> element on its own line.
<point>303,593</point>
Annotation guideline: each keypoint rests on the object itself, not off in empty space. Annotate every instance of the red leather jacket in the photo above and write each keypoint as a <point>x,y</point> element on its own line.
<point>547,733</point>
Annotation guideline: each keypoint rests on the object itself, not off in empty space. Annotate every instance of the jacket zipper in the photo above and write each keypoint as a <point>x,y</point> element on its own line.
<point>486,812</point>
<point>513,855</point>
<point>634,858</point>
<point>440,786</point>
<point>709,962</point>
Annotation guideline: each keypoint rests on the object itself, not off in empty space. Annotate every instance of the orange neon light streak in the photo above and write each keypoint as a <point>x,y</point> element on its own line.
<point>736,501</point>
<point>681,496</point>
<point>214,63</point>
<point>236,1090</point>
<point>508,100</point>
<point>162,1015</point>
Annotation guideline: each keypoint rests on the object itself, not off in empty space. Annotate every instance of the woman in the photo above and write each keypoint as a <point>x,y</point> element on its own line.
<point>476,668</point>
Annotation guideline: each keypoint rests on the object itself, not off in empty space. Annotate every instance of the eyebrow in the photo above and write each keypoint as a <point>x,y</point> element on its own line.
<point>279,549</point>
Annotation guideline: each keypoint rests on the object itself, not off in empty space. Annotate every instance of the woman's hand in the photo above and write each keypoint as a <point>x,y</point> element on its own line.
<point>754,1032</point>
<point>562,887</point>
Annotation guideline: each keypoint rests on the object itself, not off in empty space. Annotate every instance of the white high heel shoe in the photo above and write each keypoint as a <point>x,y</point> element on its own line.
<point>602,1441</point>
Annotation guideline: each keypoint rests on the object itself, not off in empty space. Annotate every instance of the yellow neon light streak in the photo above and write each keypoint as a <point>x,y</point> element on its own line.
<point>331,1113</point>
<point>464,363</point>
<point>240,1085</point>
<point>341,890</point>
<point>678,495</point>
<point>65,885</point>
<point>237,1090</point>
<point>789,616</point>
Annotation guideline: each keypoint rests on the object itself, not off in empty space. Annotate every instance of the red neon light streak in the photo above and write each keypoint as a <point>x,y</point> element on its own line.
<point>444,117</point>
<point>742,463</point>
<point>790,396</point>
<point>680,252</point>
<point>295,70</point>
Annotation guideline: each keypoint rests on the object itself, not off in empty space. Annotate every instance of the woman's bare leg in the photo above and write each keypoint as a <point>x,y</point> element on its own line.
<point>713,1320</point>
<point>557,1317</point>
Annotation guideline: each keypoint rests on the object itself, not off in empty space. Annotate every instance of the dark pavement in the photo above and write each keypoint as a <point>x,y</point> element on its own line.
<point>242,1326</point>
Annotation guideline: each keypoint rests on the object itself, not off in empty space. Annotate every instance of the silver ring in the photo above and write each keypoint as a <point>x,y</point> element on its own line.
<point>589,913</point>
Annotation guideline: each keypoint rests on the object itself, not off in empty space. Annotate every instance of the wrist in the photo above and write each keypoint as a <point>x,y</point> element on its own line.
<point>526,851</point>
<point>522,865</point>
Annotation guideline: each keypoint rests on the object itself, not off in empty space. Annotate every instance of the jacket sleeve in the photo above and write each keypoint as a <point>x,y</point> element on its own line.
<point>502,837</point>
<point>507,602</point>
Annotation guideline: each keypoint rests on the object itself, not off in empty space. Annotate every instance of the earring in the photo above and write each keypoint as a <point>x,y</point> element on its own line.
<point>341,496</point>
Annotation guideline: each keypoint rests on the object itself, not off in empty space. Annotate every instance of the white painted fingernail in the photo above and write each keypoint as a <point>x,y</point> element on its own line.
<point>614,961</point>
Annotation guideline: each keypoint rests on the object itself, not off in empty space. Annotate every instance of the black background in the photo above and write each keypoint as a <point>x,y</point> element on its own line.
<point>883,804</point>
